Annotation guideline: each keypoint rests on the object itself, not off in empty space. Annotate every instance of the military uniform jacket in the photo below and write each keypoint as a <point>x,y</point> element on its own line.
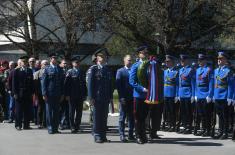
<point>133,80</point>
<point>100,84</point>
<point>22,82</point>
<point>171,82</point>
<point>224,83</point>
<point>204,82</point>
<point>124,89</point>
<point>75,84</point>
<point>186,82</point>
<point>53,81</point>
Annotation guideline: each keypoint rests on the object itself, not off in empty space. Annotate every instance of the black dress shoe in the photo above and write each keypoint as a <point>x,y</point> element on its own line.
<point>154,136</point>
<point>206,134</point>
<point>62,128</point>
<point>202,133</point>
<point>233,137</point>
<point>74,131</point>
<point>57,132</point>
<point>131,138</point>
<point>171,129</point>
<point>123,139</point>
<point>223,137</point>
<point>140,141</point>
<point>218,136</point>
<point>51,132</point>
<point>99,141</point>
<point>18,128</point>
<point>187,131</point>
<point>10,121</point>
<point>27,128</point>
<point>105,140</point>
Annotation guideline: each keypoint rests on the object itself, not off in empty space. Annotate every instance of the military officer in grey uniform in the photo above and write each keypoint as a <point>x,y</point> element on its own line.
<point>76,92</point>
<point>100,93</point>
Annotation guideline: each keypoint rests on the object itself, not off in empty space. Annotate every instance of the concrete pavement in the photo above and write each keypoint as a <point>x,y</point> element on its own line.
<point>38,142</point>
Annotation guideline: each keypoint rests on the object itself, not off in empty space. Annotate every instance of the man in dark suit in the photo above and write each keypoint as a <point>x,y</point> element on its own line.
<point>125,92</point>
<point>22,87</point>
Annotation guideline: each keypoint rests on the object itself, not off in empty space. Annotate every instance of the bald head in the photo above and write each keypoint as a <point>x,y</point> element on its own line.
<point>44,63</point>
<point>127,61</point>
<point>31,62</point>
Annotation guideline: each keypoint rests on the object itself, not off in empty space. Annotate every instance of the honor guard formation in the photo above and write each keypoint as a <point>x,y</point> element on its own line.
<point>186,98</point>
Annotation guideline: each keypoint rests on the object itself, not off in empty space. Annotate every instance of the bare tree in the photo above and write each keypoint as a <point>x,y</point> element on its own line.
<point>18,22</point>
<point>172,25</point>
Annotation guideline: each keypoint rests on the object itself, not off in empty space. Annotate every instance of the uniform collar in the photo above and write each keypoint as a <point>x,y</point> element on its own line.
<point>76,69</point>
<point>127,68</point>
<point>52,65</point>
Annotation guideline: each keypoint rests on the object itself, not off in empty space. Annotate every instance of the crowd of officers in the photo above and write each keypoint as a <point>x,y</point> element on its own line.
<point>51,95</point>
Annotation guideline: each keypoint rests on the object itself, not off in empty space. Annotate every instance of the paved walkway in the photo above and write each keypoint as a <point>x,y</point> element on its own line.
<point>38,142</point>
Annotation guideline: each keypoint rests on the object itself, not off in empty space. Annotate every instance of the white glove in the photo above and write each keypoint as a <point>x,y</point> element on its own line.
<point>229,101</point>
<point>176,99</point>
<point>208,99</point>
<point>145,90</point>
<point>192,99</point>
<point>233,102</point>
<point>213,100</point>
<point>195,99</point>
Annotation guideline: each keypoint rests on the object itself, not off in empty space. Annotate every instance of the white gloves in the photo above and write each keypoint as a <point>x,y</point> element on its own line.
<point>230,101</point>
<point>192,99</point>
<point>145,90</point>
<point>195,98</point>
<point>208,99</point>
<point>233,103</point>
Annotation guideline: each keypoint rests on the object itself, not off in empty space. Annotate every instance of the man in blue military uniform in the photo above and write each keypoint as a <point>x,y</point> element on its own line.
<point>223,93</point>
<point>52,91</point>
<point>22,87</point>
<point>186,93</point>
<point>139,94</point>
<point>75,92</point>
<point>100,93</point>
<point>171,85</point>
<point>125,92</point>
<point>203,96</point>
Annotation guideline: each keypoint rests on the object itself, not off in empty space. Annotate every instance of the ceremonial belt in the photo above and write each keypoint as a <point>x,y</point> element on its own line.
<point>168,85</point>
<point>221,86</point>
<point>185,85</point>
<point>202,85</point>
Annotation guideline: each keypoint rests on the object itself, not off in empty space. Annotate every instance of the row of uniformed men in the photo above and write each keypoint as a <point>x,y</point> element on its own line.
<point>49,85</point>
<point>201,93</point>
<point>178,85</point>
<point>191,95</point>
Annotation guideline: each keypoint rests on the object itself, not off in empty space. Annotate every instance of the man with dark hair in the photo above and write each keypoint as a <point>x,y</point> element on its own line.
<point>64,106</point>
<point>8,75</point>
<point>53,93</point>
